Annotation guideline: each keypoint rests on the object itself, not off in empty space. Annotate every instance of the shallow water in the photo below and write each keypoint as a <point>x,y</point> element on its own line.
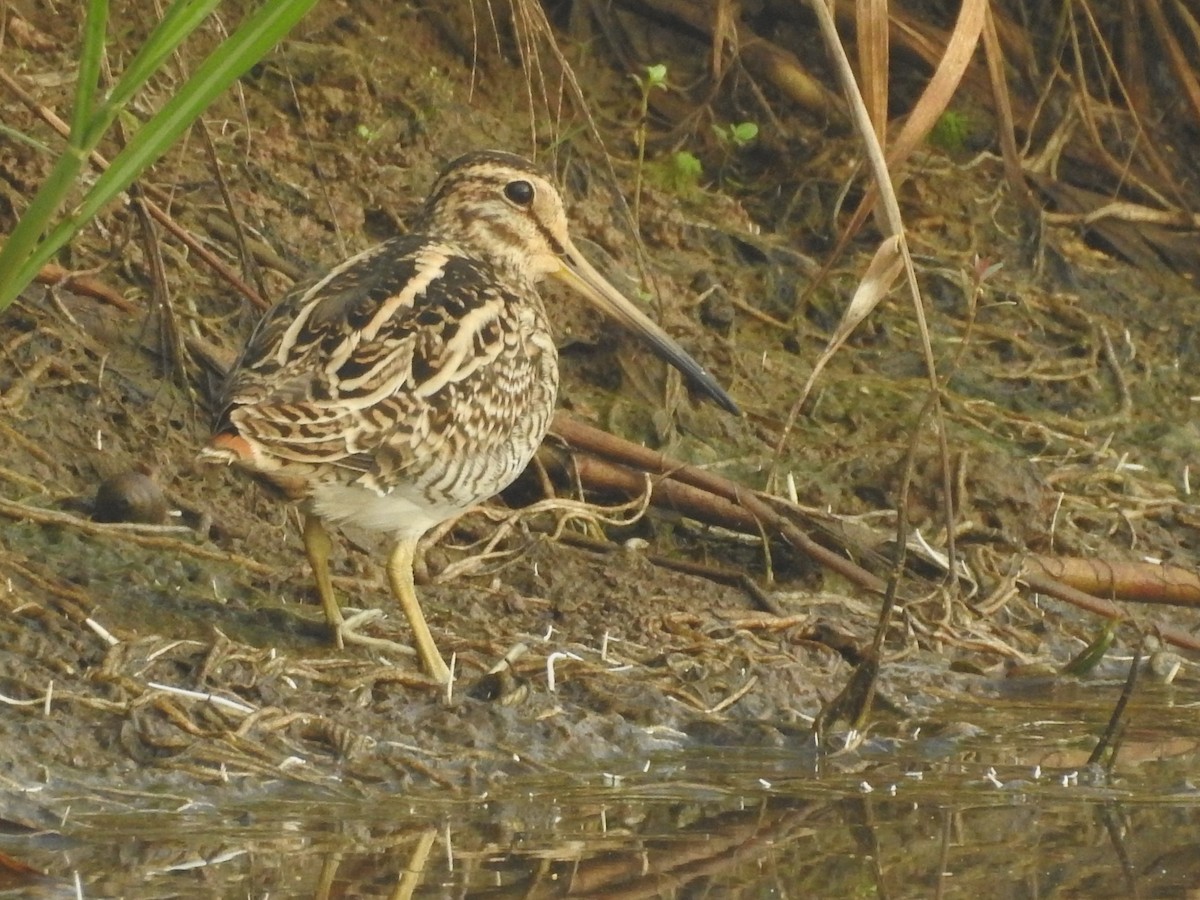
<point>998,803</point>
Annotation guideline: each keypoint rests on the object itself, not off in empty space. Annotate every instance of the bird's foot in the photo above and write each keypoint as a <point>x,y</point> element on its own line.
<point>347,632</point>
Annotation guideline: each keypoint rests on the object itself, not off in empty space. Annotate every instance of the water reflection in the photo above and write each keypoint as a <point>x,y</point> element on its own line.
<point>993,805</point>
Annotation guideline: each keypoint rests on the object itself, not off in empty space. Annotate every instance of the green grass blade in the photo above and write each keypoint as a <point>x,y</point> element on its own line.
<point>178,22</point>
<point>22,244</point>
<point>228,63</point>
<point>91,57</point>
<point>49,198</point>
<point>252,40</point>
<point>245,47</point>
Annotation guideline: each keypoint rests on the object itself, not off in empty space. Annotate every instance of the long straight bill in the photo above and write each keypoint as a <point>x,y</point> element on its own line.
<point>578,274</point>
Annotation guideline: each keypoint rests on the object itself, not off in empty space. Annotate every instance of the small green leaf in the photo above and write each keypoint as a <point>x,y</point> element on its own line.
<point>1091,655</point>
<point>687,166</point>
<point>950,131</point>
<point>744,132</point>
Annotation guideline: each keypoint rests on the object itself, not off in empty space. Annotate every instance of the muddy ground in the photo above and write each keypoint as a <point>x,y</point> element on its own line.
<point>1069,394</point>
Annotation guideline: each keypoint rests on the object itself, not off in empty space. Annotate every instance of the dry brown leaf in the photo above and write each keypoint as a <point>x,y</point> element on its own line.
<point>873,55</point>
<point>881,274</point>
<point>937,94</point>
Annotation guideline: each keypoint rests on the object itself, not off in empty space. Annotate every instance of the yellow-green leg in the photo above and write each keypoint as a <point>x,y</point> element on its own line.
<point>317,548</point>
<point>400,575</point>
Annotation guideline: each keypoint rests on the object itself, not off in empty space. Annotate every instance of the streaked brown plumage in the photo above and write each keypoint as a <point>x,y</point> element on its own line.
<point>418,378</point>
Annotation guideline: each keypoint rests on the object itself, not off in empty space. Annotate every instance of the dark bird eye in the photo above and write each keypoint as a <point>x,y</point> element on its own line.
<point>519,192</point>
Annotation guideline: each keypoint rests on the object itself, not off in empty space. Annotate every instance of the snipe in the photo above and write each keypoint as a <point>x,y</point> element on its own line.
<point>417,379</point>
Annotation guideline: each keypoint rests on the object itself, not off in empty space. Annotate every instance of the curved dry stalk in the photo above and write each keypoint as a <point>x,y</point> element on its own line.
<point>565,513</point>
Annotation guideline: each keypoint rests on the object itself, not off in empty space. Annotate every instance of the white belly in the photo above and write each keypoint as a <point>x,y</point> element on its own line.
<point>398,513</point>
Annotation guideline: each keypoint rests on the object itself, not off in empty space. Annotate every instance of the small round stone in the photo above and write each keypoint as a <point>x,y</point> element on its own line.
<point>130,497</point>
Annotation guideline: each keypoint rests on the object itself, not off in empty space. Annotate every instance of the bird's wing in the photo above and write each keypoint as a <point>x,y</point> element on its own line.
<point>369,355</point>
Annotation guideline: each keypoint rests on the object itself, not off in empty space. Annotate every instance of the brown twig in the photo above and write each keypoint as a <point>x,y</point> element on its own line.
<point>85,285</point>
<point>606,446</point>
<point>1130,581</point>
<point>151,536</point>
<point>1047,575</point>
